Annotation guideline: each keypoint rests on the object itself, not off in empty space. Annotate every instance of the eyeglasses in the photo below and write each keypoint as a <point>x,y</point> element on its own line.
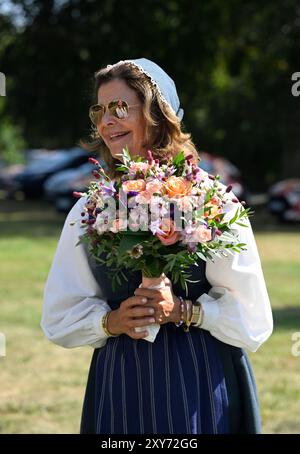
<point>118,108</point>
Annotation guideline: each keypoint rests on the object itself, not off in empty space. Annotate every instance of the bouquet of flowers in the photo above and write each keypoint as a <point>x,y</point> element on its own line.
<point>160,217</point>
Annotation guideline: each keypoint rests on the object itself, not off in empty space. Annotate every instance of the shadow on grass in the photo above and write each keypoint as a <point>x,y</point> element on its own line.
<point>39,218</point>
<point>36,218</point>
<point>30,229</point>
<point>287,318</point>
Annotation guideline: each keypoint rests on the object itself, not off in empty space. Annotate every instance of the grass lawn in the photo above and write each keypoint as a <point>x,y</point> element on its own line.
<point>42,385</point>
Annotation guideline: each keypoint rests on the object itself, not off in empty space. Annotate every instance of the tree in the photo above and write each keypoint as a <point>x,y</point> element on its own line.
<point>232,63</point>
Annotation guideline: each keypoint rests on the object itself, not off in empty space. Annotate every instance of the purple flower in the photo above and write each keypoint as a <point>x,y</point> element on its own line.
<point>213,233</point>
<point>170,171</point>
<point>132,193</point>
<point>192,248</point>
<point>109,190</point>
<point>150,156</point>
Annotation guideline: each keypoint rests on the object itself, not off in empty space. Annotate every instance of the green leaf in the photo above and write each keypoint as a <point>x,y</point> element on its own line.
<point>128,241</point>
<point>179,159</point>
<point>124,275</point>
<point>141,233</point>
<point>98,259</point>
<point>154,267</point>
<point>201,256</point>
<point>232,220</point>
<point>126,153</point>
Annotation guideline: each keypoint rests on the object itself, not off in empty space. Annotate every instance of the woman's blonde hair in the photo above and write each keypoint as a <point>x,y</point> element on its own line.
<point>163,133</point>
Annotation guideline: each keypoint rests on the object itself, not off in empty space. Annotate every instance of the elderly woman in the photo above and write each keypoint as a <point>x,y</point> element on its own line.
<point>192,382</point>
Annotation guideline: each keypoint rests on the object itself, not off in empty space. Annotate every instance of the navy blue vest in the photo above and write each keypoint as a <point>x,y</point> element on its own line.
<point>135,278</point>
<point>103,411</point>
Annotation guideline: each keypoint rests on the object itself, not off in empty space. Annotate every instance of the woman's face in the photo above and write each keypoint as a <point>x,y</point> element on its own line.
<point>133,125</point>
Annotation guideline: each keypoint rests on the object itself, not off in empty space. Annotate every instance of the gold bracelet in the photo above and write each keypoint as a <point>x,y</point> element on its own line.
<point>104,325</point>
<point>189,314</point>
<point>200,317</point>
<point>196,309</point>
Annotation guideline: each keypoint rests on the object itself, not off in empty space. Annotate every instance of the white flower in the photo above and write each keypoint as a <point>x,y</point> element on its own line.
<point>136,252</point>
<point>101,224</point>
<point>155,227</point>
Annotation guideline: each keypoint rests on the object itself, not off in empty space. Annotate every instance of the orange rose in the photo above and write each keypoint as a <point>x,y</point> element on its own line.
<point>117,225</point>
<point>212,212</point>
<point>170,236</point>
<point>151,188</point>
<point>202,234</point>
<point>154,186</point>
<point>213,207</point>
<point>134,185</point>
<point>177,186</point>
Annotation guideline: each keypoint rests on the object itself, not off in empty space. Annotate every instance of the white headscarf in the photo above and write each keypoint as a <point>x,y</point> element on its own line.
<point>158,77</point>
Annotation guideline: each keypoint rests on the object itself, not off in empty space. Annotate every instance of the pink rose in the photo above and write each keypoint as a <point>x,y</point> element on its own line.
<point>134,185</point>
<point>151,188</point>
<point>117,225</point>
<point>202,234</point>
<point>170,236</point>
<point>139,166</point>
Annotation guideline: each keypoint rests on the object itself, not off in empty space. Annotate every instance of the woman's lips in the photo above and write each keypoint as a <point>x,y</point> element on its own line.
<point>115,139</point>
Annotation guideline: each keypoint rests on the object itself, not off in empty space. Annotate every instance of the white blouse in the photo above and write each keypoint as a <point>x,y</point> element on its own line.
<point>237,309</point>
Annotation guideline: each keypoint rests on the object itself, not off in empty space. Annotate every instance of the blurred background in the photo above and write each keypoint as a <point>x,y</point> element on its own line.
<point>235,65</point>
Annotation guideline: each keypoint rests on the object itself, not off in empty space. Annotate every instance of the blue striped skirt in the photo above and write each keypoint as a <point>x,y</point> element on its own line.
<point>183,383</point>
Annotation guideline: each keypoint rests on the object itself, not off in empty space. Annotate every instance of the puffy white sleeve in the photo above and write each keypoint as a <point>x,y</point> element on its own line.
<point>237,309</point>
<point>73,301</point>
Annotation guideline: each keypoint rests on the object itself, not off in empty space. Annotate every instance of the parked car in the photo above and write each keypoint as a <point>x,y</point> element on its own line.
<point>59,188</point>
<point>229,173</point>
<point>8,173</point>
<point>7,177</point>
<point>31,180</point>
<point>284,200</point>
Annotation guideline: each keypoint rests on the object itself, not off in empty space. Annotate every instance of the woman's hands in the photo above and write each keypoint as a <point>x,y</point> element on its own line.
<point>147,307</point>
<point>166,305</point>
<point>132,313</point>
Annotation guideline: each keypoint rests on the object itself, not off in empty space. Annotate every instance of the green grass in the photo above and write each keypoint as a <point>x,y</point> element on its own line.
<point>42,385</point>
<point>277,370</point>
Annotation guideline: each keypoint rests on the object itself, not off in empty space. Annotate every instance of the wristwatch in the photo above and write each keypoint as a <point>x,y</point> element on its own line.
<point>197,314</point>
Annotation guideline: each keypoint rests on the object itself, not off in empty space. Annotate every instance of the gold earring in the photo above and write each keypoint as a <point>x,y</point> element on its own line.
<point>95,134</point>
